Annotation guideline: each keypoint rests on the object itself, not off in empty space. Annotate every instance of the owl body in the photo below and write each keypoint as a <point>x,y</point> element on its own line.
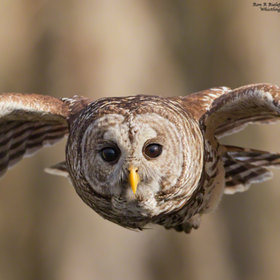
<point>145,159</point>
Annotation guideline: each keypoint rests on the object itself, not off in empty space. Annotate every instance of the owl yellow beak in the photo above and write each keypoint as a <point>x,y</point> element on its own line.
<point>133,178</point>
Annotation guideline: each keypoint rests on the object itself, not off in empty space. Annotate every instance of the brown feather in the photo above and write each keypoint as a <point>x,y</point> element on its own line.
<point>27,123</point>
<point>246,166</point>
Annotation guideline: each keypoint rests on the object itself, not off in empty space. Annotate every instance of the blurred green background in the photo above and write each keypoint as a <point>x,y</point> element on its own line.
<point>121,47</point>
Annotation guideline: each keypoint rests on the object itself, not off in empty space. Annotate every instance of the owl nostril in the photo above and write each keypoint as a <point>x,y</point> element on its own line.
<point>129,169</point>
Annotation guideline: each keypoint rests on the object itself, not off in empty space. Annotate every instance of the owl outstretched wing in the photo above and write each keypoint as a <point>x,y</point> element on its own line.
<point>29,122</point>
<point>229,112</point>
<point>233,110</point>
<point>223,111</point>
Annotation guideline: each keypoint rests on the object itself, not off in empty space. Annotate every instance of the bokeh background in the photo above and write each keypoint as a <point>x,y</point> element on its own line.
<point>121,47</point>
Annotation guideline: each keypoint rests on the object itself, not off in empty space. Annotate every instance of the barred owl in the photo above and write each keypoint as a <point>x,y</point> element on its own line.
<point>145,159</point>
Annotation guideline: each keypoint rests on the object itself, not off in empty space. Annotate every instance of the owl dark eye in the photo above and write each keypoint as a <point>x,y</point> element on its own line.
<point>110,154</point>
<point>153,150</point>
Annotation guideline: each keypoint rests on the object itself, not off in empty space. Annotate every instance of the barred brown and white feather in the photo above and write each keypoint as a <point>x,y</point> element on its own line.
<point>24,139</point>
<point>244,167</point>
<point>27,123</point>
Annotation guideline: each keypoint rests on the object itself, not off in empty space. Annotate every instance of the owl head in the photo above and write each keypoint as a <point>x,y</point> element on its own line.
<point>134,156</point>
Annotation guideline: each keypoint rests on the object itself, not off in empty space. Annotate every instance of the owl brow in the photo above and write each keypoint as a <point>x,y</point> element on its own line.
<point>100,144</point>
<point>156,140</point>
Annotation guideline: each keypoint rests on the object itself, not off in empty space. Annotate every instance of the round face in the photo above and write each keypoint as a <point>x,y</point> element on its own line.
<point>139,162</point>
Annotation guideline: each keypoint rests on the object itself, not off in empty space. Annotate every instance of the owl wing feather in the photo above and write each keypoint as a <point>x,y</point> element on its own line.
<point>231,111</point>
<point>27,123</point>
<point>245,166</point>
<point>224,111</point>
<point>199,103</point>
